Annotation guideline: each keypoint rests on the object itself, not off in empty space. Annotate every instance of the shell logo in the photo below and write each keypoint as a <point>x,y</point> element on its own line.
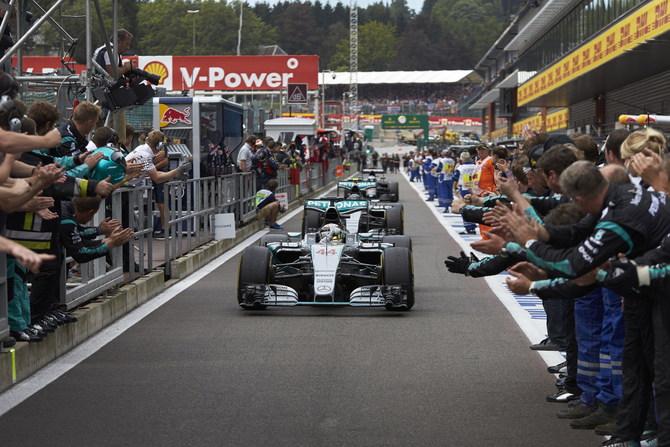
<point>157,68</point>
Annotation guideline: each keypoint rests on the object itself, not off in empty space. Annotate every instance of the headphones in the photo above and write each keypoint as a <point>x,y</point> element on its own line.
<point>113,138</point>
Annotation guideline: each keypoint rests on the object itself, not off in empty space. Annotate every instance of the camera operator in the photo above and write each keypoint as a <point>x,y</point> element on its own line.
<point>103,58</point>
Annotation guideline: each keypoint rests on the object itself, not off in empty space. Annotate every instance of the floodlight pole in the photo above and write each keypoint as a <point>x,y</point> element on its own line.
<point>194,12</point>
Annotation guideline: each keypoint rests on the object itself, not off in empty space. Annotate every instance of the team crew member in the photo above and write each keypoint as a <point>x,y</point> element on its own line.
<point>79,241</point>
<point>74,131</point>
<point>145,154</point>
<point>463,181</point>
<point>628,220</point>
<point>484,178</point>
<point>650,274</point>
<point>267,205</point>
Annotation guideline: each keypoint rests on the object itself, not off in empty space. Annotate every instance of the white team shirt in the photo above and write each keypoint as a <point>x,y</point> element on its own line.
<point>141,154</point>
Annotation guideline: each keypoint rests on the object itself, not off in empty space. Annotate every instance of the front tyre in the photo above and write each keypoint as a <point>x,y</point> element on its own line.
<point>398,269</point>
<point>254,268</point>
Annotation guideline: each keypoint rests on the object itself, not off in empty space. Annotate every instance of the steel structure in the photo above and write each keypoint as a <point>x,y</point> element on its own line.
<point>48,16</point>
<point>353,57</point>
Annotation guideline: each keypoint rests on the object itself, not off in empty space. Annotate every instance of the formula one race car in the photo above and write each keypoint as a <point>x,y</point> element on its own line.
<point>358,216</point>
<point>327,267</point>
<point>374,187</point>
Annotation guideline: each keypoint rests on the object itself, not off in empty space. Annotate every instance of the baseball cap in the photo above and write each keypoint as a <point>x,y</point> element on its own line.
<point>534,156</point>
<point>556,140</point>
<point>259,143</point>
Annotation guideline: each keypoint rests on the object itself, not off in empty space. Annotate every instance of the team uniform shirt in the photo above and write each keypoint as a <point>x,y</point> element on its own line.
<point>632,221</point>
<point>79,240</point>
<point>446,169</point>
<point>484,176</point>
<point>72,142</point>
<point>465,176</point>
<point>264,197</point>
<point>145,155</point>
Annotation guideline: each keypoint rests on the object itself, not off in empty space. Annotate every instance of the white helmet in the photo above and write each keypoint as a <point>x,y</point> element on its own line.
<point>331,233</point>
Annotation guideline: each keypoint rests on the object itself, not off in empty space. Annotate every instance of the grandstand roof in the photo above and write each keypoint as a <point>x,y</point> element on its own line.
<point>403,77</point>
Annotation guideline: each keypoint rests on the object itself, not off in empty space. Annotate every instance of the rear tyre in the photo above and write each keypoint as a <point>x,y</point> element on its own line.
<point>311,221</point>
<point>393,189</point>
<point>254,268</point>
<point>399,241</point>
<point>269,238</point>
<point>395,219</point>
<point>398,269</point>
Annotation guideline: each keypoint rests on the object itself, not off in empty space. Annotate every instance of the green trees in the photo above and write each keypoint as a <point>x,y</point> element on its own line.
<point>448,34</point>
<point>377,45</point>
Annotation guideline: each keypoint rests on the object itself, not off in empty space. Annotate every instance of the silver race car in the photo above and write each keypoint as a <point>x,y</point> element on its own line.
<point>329,267</point>
<point>374,187</point>
<point>356,215</point>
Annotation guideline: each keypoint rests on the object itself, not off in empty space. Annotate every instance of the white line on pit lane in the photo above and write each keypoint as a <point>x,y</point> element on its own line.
<point>534,327</point>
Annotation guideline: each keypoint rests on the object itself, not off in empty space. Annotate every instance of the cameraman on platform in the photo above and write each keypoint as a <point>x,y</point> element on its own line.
<point>103,58</point>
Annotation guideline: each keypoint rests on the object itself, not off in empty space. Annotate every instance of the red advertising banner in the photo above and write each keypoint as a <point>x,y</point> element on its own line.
<point>49,64</point>
<point>243,72</point>
<point>211,72</point>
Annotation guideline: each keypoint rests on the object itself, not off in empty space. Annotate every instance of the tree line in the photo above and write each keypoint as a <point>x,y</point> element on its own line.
<point>445,34</point>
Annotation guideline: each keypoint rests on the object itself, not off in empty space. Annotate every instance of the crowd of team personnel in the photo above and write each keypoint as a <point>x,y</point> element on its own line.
<point>586,229</point>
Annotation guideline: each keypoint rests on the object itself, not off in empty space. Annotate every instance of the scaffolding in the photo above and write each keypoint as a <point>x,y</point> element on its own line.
<point>353,59</point>
<point>51,87</point>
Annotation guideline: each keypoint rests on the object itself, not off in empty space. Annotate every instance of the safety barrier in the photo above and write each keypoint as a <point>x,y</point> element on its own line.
<point>189,210</point>
<point>95,277</point>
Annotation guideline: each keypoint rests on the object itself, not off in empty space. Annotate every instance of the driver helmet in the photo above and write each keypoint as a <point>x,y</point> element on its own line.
<point>354,197</point>
<point>331,233</point>
<point>113,164</point>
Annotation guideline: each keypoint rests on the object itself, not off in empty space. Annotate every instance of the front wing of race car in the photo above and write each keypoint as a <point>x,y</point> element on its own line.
<point>261,295</point>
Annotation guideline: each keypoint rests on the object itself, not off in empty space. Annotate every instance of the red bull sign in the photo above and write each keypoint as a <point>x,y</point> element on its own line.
<point>176,115</point>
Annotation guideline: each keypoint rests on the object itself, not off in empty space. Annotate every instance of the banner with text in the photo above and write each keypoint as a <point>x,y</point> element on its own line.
<point>645,23</point>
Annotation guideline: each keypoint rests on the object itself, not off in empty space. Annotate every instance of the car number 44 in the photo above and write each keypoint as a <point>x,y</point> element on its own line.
<point>324,252</point>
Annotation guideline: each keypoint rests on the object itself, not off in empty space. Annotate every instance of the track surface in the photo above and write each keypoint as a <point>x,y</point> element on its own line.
<point>454,371</point>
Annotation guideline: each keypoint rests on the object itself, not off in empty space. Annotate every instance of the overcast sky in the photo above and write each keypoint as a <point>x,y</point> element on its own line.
<point>412,4</point>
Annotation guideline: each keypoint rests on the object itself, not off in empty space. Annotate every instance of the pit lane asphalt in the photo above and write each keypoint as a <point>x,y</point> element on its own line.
<point>199,371</point>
